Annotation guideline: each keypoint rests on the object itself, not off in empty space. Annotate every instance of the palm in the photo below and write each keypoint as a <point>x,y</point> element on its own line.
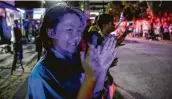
<point>108,53</point>
<point>98,59</point>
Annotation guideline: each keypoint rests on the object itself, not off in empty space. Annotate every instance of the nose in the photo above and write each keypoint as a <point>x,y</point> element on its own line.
<point>76,38</point>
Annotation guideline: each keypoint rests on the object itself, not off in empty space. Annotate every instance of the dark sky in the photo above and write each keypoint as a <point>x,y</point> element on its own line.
<point>28,4</point>
<point>37,4</point>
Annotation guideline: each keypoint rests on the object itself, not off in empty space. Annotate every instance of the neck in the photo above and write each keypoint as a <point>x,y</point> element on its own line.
<point>62,53</point>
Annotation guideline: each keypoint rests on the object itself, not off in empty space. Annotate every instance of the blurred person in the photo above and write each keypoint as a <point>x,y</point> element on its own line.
<point>99,32</point>
<point>157,30</point>
<point>82,44</point>
<point>91,31</point>
<point>17,47</point>
<point>1,29</point>
<point>170,31</point>
<point>90,34</point>
<point>138,27</point>
<point>34,29</point>
<point>39,47</point>
<point>166,35</point>
<point>61,74</point>
<point>88,25</point>
<point>146,28</point>
<point>94,27</point>
<point>26,27</point>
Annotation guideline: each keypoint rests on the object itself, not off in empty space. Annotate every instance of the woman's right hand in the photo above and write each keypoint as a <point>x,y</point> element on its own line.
<point>89,62</point>
<point>88,85</point>
<point>107,53</point>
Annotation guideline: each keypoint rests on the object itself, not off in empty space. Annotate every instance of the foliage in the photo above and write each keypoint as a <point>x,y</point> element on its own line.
<point>130,8</point>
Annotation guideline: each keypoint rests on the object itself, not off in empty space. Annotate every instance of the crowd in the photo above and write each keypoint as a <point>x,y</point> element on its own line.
<point>155,28</point>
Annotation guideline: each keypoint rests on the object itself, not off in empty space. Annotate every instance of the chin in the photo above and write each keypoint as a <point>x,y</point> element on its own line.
<point>72,51</point>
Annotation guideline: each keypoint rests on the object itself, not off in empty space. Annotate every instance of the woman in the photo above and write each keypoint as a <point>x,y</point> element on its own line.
<point>60,74</point>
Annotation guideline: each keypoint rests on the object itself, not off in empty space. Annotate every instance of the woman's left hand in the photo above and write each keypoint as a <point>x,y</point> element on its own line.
<point>99,59</point>
<point>107,54</point>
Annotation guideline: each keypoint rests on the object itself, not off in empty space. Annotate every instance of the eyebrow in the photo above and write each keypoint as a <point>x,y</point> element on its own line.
<point>69,25</point>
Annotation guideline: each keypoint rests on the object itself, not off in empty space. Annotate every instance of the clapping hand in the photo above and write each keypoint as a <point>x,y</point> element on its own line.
<point>108,53</point>
<point>99,59</point>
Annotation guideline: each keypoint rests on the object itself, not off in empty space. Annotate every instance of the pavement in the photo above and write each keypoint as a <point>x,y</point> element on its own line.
<point>143,40</point>
<point>9,84</point>
<point>144,69</point>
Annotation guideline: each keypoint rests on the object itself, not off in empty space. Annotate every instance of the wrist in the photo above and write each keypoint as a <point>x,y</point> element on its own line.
<point>90,77</point>
<point>101,73</point>
<point>104,68</point>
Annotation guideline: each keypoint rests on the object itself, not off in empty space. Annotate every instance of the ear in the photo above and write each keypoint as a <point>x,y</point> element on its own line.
<point>51,33</point>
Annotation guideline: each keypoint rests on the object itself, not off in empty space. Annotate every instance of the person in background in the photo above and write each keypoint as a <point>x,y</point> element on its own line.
<point>61,74</point>
<point>17,47</point>
<point>82,44</point>
<point>98,33</point>
<point>39,47</point>
<point>166,35</point>
<point>170,31</point>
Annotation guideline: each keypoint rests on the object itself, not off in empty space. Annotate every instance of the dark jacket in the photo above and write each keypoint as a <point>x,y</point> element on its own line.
<point>18,48</point>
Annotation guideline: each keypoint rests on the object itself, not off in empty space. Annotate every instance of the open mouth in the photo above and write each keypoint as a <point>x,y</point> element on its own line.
<point>73,45</point>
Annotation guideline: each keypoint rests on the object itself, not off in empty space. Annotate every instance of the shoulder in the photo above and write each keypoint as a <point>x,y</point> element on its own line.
<point>93,28</point>
<point>41,85</point>
<point>39,70</point>
<point>94,34</point>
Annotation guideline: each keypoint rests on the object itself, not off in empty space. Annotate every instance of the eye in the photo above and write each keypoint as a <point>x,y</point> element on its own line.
<point>69,30</point>
<point>79,31</point>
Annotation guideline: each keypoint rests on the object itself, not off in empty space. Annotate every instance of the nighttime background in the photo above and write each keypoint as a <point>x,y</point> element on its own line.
<point>144,70</point>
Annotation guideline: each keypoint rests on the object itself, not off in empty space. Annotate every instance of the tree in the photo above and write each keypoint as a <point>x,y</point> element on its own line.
<point>114,8</point>
<point>131,9</point>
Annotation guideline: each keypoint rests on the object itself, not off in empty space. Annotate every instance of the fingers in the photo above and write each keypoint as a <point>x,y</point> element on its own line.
<point>115,60</point>
<point>114,63</point>
<point>113,45</point>
<point>120,45</point>
<point>99,50</point>
<point>82,56</point>
<point>106,44</point>
<point>92,50</point>
<point>110,45</point>
<point>114,53</point>
<point>87,57</point>
<point>91,53</point>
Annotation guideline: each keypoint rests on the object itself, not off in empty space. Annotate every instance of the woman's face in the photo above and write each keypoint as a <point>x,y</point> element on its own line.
<point>68,34</point>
